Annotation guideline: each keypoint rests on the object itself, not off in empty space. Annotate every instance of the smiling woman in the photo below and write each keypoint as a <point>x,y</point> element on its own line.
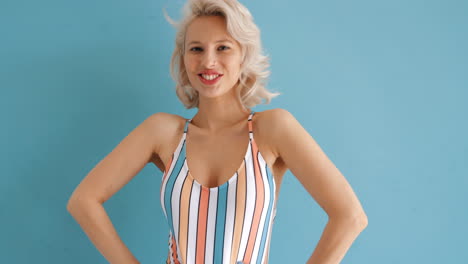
<point>233,39</point>
<point>212,219</point>
<point>227,51</point>
<point>206,53</point>
<point>221,207</point>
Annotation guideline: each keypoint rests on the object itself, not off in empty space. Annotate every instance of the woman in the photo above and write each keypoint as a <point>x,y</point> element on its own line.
<point>223,167</point>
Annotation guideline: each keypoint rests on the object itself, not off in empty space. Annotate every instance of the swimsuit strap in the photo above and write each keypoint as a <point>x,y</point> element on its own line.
<point>186,125</point>
<point>250,124</point>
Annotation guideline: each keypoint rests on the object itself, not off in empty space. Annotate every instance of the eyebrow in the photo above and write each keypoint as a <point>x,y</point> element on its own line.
<point>198,42</point>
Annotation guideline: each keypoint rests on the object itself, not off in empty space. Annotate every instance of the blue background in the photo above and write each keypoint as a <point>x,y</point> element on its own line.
<point>380,85</point>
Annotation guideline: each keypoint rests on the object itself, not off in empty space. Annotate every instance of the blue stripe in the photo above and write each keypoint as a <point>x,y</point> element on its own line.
<point>170,186</point>
<point>262,248</point>
<point>220,225</point>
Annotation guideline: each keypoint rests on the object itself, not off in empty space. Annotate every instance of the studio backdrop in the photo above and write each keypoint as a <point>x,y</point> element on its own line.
<point>380,85</point>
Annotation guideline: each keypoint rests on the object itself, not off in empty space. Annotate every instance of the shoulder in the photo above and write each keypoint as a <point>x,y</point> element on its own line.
<point>273,120</point>
<point>272,124</point>
<point>164,126</point>
<point>160,122</point>
<point>274,113</point>
<point>165,119</point>
<point>288,135</point>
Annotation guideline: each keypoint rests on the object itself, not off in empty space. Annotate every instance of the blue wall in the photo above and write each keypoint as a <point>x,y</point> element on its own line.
<point>380,85</point>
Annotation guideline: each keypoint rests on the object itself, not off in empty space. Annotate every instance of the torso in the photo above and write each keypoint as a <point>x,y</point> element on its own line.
<point>209,162</point>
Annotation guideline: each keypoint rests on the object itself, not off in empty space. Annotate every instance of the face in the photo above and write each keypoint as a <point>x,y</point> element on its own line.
<point>210,52</point>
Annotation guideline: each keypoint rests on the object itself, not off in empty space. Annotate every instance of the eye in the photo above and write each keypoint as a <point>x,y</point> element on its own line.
<point>226,47</point>
<point>193,49</point>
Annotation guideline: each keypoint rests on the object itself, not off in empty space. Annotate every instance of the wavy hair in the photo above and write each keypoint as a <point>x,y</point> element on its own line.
<point>240,25</point>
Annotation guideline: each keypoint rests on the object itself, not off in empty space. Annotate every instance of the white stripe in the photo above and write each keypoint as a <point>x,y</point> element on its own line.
<point>249,205</point>
<point>267,244</point>
<point>193,223</point>
<point>211,225</point>
<point>175,202</point>
<point>230,216</point>
<point>174,161</point>
<point>260,232</point>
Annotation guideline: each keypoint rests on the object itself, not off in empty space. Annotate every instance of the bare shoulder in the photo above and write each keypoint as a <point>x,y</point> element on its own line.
<point>270,124</point>
<point>127,158</point>
<point>272,115</point>
<point>164,126</point>
<point>162,121</point>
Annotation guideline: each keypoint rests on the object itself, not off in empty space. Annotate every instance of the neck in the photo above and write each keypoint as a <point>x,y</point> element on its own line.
<point>216,114</point>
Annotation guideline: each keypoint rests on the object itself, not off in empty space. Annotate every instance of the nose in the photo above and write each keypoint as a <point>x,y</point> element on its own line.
<point>209,59</point>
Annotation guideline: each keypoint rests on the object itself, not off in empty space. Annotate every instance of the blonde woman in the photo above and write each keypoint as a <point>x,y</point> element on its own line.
<point>224,166</point>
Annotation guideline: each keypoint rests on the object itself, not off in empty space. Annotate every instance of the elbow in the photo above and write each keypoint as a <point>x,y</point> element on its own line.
<point>363,222</point>
<point>77,203</point>
<point>359,221</point>
<point>72,204</point>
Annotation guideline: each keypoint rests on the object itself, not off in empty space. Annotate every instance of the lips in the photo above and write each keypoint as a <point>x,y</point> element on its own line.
<point>209,79</point>
<point>209,76</point>
<point>210,72</point>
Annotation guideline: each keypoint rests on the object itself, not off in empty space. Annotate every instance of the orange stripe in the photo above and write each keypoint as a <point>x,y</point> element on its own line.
<point>183,217</point>
<point>260,198</point>
<point>174,251</point>
<point>202,220</point>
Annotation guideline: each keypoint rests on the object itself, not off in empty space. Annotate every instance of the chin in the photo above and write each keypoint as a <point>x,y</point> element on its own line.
<point>212,92</point>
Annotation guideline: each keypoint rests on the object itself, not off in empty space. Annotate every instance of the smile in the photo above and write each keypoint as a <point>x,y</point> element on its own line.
<point>209,79</point>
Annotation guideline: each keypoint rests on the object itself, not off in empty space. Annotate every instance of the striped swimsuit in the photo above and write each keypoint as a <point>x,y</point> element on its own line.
<point>227,224</point>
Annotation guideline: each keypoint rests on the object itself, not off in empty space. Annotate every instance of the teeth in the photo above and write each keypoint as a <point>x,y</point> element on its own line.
<point>209,77</point>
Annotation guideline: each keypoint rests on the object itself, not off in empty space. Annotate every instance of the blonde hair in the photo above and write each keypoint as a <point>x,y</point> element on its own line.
<point>240,25</point>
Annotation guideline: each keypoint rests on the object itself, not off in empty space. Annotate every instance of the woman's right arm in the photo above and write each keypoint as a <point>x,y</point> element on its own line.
<point>106,178</point>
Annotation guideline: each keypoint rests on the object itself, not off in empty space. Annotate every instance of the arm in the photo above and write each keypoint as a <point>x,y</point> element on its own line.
<point>324,182</point>
<point>105,179</point>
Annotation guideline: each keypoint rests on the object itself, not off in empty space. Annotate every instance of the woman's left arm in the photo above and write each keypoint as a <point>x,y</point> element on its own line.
<point>324,182</point>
